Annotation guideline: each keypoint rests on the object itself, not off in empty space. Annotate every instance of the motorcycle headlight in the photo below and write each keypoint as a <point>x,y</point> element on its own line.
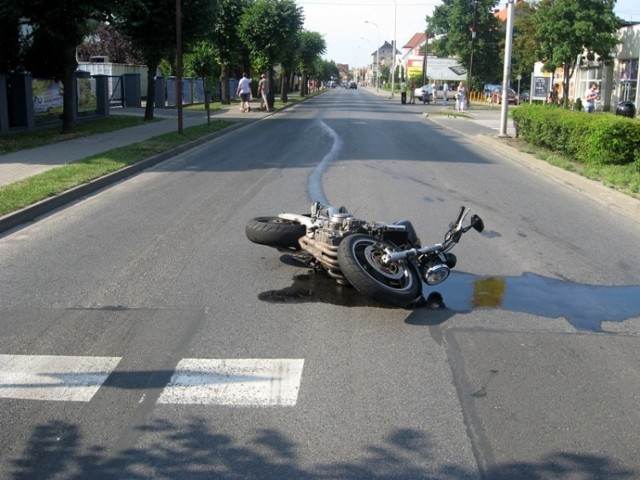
<point>435,274</point>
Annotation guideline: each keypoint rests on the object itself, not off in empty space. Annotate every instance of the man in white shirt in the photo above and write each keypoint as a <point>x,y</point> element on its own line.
<point>244,91</point>
<point>590,98</point>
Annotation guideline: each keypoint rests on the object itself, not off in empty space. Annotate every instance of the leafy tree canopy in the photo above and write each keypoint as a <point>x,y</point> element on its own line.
<point>10,38</point>
<point>568,28</point>
<point>105,40</point>
<point>269,28</point>
<point>453,22</point>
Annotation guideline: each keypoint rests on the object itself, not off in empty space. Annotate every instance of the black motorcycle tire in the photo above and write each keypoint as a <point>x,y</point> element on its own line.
<point>275,232</point>
<point>359,257</point>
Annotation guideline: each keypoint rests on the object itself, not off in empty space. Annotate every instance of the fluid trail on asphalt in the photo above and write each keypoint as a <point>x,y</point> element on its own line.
<point>314,184</point>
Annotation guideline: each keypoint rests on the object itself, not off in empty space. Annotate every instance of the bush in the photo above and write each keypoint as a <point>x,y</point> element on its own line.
<point>600,139</point>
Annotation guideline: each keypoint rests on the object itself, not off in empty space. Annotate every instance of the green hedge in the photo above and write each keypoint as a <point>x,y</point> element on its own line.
<point>597,139</point>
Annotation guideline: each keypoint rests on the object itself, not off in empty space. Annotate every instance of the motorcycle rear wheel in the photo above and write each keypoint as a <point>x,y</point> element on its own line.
<point>360,259</point>
<point>275,232</point>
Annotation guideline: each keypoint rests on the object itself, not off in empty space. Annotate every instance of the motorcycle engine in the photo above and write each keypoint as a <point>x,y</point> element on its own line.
<point>336,226</point>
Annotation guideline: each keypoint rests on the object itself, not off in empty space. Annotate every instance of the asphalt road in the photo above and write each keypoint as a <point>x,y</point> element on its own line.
<point>142,336</point>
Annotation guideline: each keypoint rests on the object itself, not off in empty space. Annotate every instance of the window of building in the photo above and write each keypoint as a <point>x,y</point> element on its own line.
<point>628,85</point>
<point>589,76</point>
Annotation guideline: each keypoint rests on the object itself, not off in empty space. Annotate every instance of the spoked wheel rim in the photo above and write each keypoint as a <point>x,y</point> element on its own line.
<point>373,253</point>
<point>360,258</point>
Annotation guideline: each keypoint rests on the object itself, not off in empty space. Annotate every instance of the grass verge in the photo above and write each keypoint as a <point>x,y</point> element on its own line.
<point>26,192</point>
<point>46,136</point>
<point>623,178</point>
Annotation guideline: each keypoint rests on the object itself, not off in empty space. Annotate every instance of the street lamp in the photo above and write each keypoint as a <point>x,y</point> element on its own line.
<point>377,71</point>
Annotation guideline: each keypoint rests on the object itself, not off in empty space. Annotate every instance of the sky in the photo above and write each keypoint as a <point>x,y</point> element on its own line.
<point>352,41</point>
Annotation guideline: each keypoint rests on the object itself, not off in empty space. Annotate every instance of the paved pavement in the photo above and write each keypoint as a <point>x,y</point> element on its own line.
<point>482,125</point>
<point>25,163</point>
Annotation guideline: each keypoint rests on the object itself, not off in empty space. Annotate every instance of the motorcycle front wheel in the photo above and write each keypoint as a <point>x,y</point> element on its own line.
<point>275,232</point>
<point>360,259</point>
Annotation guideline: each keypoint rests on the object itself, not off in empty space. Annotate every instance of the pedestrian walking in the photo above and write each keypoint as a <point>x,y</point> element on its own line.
<point>244,91</point>
<point>445,93</point>
<point>263,92</point>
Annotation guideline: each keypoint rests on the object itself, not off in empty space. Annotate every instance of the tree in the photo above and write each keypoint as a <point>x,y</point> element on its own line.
<point>105,40</point>
<point>151,25</point>
<point>200,63</point>
<point>225,39</point>
<point>568,28</point>
<point>269,29</point>
<point>328,70</point>
<point>524,40</point>
<point>10,38</point>
<point>453,23</point>
<point>312,45</point>
<point>57,28</point>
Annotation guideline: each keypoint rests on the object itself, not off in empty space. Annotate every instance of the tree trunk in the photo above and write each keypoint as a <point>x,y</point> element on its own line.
<point>565,86</point>
<point>224,85</point>
<point>303,85</point>
<point>284,86</point>
<point>271,96</point>
<point>151,93</point>
<point>68,98</point>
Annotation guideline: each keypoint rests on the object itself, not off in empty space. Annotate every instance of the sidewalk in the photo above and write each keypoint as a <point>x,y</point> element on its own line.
<point>26,163</point>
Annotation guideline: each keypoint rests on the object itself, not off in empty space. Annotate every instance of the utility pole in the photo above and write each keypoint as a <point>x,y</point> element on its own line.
<point>393,72</point>
<point>507,69</point>
<point>473,39</point>
<point>178,64</point>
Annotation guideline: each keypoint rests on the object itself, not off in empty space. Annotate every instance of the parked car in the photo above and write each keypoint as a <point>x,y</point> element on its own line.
<point>524,96</point>
<point>512,96</point>
<point>424,93</point>
<point>451,93</point>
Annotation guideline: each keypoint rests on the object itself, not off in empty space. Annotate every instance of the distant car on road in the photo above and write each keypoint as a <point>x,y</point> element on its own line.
<point>353,85</point>
<point>424,93</point>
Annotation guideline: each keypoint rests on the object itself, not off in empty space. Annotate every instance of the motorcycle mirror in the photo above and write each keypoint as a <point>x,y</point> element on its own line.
<point>477,223</point>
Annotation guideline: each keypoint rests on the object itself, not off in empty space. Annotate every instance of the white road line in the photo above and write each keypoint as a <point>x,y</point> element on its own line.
<point>497,125</point>
<point>239,382</point>
<point>52,377</point>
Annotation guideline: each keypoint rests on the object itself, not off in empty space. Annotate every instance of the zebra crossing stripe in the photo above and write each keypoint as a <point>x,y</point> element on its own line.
<point>239,382</point>
<point>53,377</point>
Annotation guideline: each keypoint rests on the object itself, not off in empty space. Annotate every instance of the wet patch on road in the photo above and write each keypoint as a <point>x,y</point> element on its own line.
<point>584,306</point>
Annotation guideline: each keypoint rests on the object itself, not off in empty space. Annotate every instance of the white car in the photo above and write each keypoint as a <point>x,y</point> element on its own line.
<point>451,93</point>
<point>424,93</point>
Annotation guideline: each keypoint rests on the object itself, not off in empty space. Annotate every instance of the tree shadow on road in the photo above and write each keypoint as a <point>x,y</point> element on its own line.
<point>195,450</point>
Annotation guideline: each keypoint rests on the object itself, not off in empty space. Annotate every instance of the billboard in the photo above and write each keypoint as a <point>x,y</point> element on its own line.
<point>437,68</point>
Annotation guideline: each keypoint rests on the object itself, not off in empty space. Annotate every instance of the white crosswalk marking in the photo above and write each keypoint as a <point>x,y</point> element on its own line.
<point>497,125</point>
<point>53,377</point>
<point>241,382</point>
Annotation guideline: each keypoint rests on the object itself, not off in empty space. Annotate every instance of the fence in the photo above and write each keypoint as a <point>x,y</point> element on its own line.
<point>28,102</point>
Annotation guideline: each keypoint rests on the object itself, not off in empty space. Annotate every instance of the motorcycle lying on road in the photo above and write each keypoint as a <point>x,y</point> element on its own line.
<point>382,261</point>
